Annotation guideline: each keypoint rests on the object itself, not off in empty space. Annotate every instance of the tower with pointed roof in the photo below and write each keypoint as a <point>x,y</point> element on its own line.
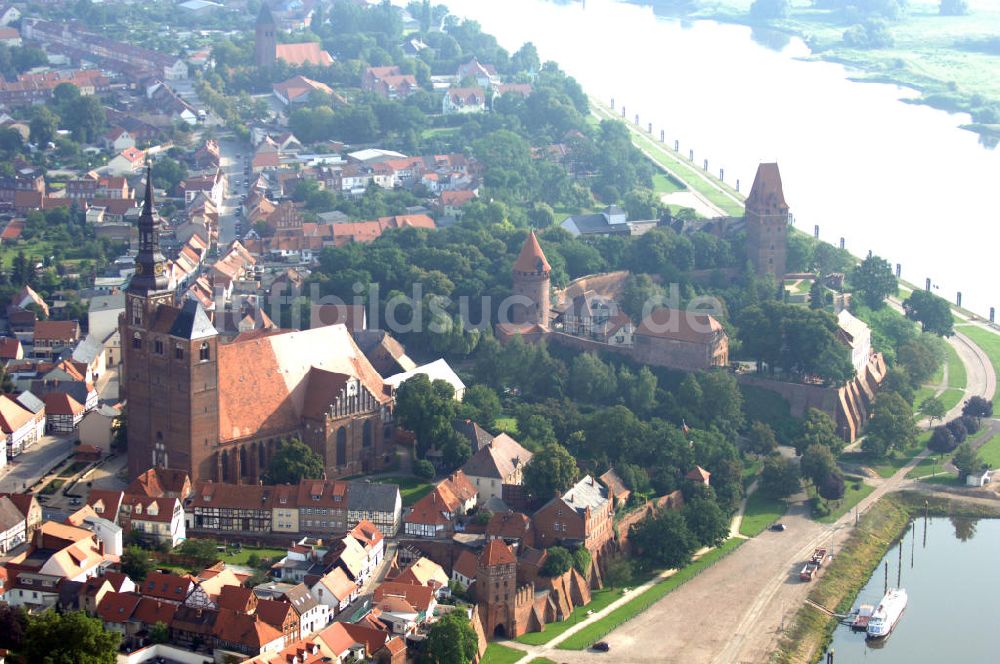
<point>767,220</point>
<point>532,285</point>
<point>265,40</point>
<point>169,374</point>
<point>496,589</point>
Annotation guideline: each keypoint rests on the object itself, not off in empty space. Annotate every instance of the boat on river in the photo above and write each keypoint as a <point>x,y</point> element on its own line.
<point>887,614</point>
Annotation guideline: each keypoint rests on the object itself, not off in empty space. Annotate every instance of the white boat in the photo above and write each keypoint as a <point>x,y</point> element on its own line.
<point>887,614</point>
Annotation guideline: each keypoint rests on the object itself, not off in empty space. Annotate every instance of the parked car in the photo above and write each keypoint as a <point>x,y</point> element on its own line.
<point>601,646</point>
<point>777,527</point>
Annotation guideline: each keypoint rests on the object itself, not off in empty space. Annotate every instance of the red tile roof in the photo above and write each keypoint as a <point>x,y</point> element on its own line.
<point>151,611</point>
<point>248,631</point>
<point>303,53</point>
<point>162,585</point>
<point>117,607</point>
<point>419,597</point>
<point>497,553</point>
<point>57,330</point>
<point>59,403</point>
<point>339,637</point>
<point>686,326</point>
<point>531,258</point>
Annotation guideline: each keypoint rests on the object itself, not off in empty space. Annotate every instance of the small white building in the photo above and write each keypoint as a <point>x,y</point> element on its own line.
<point>978,479</point>
<point>437,370</point>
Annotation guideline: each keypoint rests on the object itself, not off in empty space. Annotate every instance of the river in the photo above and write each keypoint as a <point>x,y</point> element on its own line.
<point>902,180</point>
<point>952,588</point>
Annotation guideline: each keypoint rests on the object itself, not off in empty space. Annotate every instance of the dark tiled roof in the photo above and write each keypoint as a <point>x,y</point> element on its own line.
<point>192,322</point>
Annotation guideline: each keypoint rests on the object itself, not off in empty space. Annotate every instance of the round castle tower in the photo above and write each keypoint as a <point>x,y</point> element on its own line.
<point>532,281</point>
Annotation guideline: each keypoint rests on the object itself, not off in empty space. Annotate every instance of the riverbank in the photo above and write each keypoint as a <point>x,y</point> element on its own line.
<point>948,60</point>
<point>880,528</point>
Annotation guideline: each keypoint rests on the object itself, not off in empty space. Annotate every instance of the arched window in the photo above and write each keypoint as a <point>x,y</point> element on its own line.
<point>341,446</point>
<point>203,352</point>
<point>244,466</point>
<point>137,341</point>
<point>178,352</point>
<point>158,347</point>
<point>261,461</point>
<point>136,312</point>
<point>366,434</point>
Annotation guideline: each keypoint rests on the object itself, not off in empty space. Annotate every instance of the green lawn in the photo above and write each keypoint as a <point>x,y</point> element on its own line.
<point>52,487</point>
<point>599,628</point>
<point>664,184</point>
<point>927,466</point>
<point>411,489</point>
<point>500,654</point>
<point>990,343</point>
<point>542,660</point>
<point>952,397</point>
<point>956,369</point>
<point>751,469</point>
<point>233,557</point>
<point>851,498</point>
<point>990,452</point>
<point>507,425</point>
<point>599,599</point>
<point>761,512</point>
<point>886,468</point>
<point>948,479</point>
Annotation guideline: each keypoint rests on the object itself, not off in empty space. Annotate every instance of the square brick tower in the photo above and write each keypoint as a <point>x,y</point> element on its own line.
<point>767,221</point>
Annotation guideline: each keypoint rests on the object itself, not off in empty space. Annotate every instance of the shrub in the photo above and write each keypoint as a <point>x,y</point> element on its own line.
<point>423,469</point>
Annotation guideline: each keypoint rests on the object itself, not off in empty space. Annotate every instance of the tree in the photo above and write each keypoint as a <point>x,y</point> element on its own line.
<point>582,560</point>
<point>452,640</point>
<point>85,118</point>
<point>557,562</point>
<point>204,551</point>
<point>664,539</point>
<point>954,7</point>
<point>779,477</point>
<point>168,173</point>
<point>874,281</point>
<point>552,471</point>
<point>159,632</point>
<point>818,428</point>
<point>817,295</point>
<point>868,35</point>
<point>891,427</point>
<point>978,407</point>
<point>966,460</point>
<point>13,626</point>
<point>62,638</point>
<point>423,469</point>
<point>817,464</point>
<point>832,487</point>
<point>136,564</point>
<point>933,408</point>
<point>294,461</point>
<point>482,405</point>
<point>761,440</point>
<point>960,430</point>
<point>942,441</point>
<point>426,408</point>
<point>619,573</point>
<point>932,312</point>
<point>43,126</point>
<point>706,521</point>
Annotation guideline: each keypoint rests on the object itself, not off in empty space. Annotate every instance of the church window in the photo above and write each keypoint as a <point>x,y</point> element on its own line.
<point>366,434</point>
<point>158,347</point>
<point>203,352</point>
<point>137,341</point>
<point>178,352</point>
<point>136,312</point>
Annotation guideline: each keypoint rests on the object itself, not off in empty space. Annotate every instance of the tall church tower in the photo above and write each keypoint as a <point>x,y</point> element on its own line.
<point>532,280</point>
<point>169,374</point>
<point>767,221</point>
<point>266,41</point>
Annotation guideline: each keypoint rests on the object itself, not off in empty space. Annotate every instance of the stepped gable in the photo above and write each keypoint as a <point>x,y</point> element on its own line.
<point>264,382</point>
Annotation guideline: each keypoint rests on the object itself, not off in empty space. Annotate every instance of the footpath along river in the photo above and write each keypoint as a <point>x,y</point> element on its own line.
<point>900,179</point>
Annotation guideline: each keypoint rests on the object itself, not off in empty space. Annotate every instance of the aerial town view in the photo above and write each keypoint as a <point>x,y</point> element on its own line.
<point>499,331</point>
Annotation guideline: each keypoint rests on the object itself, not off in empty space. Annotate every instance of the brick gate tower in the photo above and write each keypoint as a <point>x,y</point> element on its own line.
<point>767,221</point>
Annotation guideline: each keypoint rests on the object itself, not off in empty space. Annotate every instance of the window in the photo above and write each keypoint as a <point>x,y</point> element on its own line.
<point>136,312</point>
<point>158,347</point>
<point>137,341</point>
<point>203,352</point>
<point>178,352</point>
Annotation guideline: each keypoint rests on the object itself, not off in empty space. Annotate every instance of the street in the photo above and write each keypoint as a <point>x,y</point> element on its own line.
<point>232,155</point>
<point>24,470</point>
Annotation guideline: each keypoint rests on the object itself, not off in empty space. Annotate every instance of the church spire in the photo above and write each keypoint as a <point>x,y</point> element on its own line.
<point>150,264</point>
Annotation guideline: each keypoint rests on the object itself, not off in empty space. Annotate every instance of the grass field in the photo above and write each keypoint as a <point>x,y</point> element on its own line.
<point>599,599</point>
<point>411,489</point>
<point>851,498</point>
<point>500,654</point>
<point>956,369</point>
<point>664,184</point>
<point>507,425</point>
<point>990,452</point>
<point>927,466</point>
<point>599,628</point>
<point>542,660</point>
<point>241,557</point>
<point>761,512</point>
<point>990,343</point>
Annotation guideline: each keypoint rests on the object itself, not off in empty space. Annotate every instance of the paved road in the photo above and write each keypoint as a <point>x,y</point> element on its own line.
<point>28,467</point>
<point>233,154</point>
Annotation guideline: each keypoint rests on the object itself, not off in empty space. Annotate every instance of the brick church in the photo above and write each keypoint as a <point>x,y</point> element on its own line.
<point>219,411</point>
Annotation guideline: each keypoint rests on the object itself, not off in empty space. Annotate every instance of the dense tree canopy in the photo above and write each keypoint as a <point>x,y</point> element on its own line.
<point>551,471</point>
<point>294,461</point>
<point>69,638</point>
<point>873,281</point>
<point>451,640</point>
<point>932,312</point>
